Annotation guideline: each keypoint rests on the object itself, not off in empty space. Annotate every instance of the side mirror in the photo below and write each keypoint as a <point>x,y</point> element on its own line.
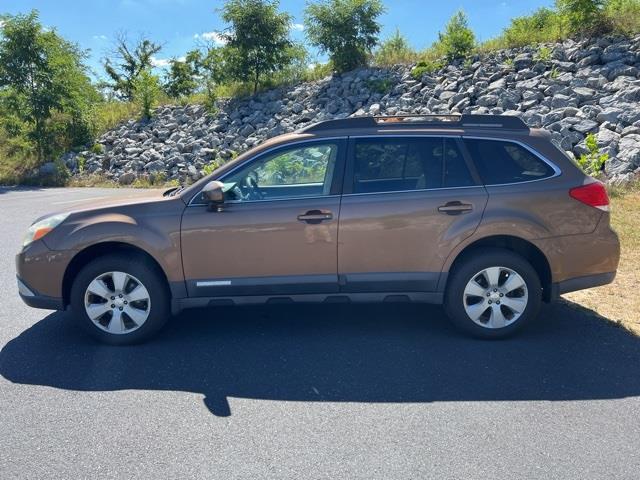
<point>214,195</point>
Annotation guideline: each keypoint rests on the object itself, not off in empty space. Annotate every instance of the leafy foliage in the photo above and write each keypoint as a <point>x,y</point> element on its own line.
<point>345,29</point>
<point>146,90</point>
<point>180,80</point>
<point>457,40</point>
<point>45,93</point>
<point>623,16</point>
<point>395,50</point>
<point>582,16</point>
<point>593,162</point>
<point>127,62</point>
<point>257,39</point>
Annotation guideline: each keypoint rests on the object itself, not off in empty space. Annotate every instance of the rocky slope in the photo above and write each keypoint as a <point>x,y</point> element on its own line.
<point>580,88</point>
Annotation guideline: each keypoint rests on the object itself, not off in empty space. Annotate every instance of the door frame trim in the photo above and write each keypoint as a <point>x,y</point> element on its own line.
<point>336,181</point>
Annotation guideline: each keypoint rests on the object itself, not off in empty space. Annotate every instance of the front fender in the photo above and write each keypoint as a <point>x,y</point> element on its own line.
<point>152,227</point>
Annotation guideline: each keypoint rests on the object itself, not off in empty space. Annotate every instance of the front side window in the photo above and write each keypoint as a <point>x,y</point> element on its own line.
<point>500,162</point>
<point>295,172</point>
<point>404,164</point>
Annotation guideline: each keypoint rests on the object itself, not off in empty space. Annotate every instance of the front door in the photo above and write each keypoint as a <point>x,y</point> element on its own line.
<point>277,231</point>
<point>407,202</point>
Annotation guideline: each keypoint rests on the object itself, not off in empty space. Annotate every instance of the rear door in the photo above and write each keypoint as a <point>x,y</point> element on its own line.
<point>407,202</point>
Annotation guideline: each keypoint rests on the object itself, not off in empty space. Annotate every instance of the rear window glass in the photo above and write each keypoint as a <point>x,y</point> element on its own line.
<point>394,164</point>
<point>506,162</point>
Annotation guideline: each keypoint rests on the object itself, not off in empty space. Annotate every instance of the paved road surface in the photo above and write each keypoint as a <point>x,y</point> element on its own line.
<point>369,392</point>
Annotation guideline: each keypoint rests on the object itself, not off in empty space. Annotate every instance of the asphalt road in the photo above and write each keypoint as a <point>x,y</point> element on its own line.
<point>385,391</point>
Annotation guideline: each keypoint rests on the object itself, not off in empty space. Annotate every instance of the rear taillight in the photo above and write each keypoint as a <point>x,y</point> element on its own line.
<point>592,194</point>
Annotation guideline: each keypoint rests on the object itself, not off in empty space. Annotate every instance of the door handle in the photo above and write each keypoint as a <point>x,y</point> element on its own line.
<point>455,208</point>
<point>315,216</point>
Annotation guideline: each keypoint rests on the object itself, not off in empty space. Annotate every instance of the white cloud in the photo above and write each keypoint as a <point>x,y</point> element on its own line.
<point>100,37</point>
<point>159,62</point>
<point>214,37</point>
<point>297,27</point>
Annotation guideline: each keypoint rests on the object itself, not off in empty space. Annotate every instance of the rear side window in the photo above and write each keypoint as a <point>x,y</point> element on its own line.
<point>401,164</point>
<point>506,162</point>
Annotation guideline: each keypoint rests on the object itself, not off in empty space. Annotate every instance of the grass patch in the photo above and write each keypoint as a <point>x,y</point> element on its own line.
<point>620,301</point>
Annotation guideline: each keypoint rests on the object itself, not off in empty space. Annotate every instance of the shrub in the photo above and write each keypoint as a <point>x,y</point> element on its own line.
<point>393,51</point>
<point>543,25</point>
<point>345,29</point>
<point>180,79</point>
<point>582,16</point>
<point>258,43</point>
<point>457,40</point>
<point>543,54</point>
<point>426,67</point>
<point>146,92</point>
<point>380,85</point>
<point>623,16</point>
<point>97,148</point>
<point>210,167</point>
<point>592,162</point>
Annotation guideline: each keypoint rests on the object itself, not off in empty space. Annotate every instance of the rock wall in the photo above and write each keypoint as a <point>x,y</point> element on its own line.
<point>580,88</point>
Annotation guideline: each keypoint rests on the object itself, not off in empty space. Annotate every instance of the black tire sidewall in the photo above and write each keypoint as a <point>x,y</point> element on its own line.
<point>150,278</point>
<point>476,262</point>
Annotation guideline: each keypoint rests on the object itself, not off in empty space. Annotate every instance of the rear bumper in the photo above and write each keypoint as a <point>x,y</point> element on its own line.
<point>37,300</point>
<point>581,283</point>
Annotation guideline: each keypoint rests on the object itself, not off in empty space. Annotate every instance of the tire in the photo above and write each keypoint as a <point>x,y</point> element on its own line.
<point>499,310</point>
<point>123,314</point>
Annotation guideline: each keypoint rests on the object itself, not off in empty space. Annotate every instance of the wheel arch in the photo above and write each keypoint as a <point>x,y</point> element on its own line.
<point>520,246</point>
<point>90,253</point>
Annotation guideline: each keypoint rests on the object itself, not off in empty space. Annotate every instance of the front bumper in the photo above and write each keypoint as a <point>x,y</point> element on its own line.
<point>36,300</point>
<point>40,273</point>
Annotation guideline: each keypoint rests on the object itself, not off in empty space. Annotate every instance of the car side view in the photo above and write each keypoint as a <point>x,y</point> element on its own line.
<point>476,212</point>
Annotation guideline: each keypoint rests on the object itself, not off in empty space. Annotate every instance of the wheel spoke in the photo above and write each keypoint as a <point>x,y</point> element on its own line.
<point>492,275</point>
<point>475,311</point>
<point>474,289</point>
<point>516,304</point>
<point>115,324</point>
<point>137,315</point>
<point>119,280</point>
<point>497,319</point>
<point>97,310</point>
<point>138,293</point>
<point>100,289</point>
<point>513,282</point>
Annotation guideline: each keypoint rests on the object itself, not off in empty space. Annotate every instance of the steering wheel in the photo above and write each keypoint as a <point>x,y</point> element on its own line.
<point>250,188</point>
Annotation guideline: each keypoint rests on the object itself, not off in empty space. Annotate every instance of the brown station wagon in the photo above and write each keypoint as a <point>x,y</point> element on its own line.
<point>479,213</point>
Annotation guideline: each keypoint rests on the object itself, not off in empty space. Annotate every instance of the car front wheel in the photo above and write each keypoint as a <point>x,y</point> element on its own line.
<point>120,300</point>
<point>493,293</point>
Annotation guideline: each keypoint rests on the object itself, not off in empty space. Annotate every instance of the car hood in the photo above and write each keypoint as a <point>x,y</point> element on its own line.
<point>102,202</point>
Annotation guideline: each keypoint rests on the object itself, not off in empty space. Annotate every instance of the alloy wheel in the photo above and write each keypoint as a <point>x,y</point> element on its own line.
<point>117,302</point>
<point>495,297</point>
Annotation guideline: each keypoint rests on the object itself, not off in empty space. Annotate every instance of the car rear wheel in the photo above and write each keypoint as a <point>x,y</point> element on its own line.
<point>493,293</point>
<point>120,300</point>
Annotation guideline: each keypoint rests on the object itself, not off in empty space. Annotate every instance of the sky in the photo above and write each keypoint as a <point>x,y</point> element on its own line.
<point>181,25</point>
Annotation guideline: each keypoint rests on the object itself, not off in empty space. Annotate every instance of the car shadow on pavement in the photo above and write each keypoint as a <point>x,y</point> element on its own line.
<point>337,353</point>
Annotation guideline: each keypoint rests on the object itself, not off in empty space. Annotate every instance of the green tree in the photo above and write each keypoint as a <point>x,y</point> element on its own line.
<point>582,16</point>
<point>127,62</point>
<point>257,39</point>
<point>458,39</point>
<point>395,50</point>
<point>44,82</point>
<point>345,29</point>
<point>180,80</point>
<point>146,90</point>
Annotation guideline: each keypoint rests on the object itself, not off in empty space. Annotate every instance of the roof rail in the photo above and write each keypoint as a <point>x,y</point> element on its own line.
<point>454,121</point>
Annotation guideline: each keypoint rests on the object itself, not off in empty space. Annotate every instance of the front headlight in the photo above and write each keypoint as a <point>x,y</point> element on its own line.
<point>41,228</point>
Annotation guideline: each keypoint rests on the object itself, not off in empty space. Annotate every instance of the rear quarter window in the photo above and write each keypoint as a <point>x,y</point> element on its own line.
<point>500,162</point>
